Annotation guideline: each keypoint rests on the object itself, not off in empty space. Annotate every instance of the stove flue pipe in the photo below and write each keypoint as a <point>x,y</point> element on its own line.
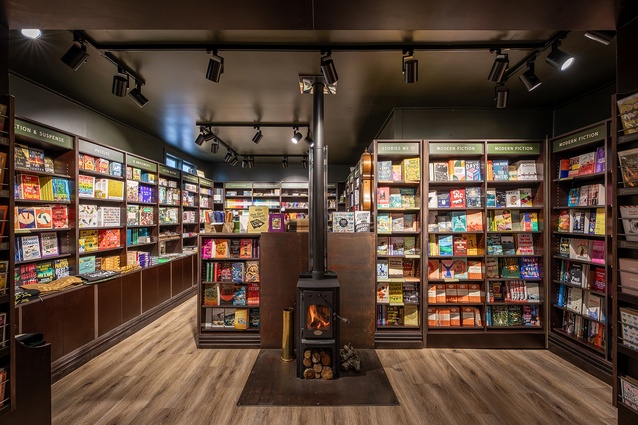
<point>318,206</point>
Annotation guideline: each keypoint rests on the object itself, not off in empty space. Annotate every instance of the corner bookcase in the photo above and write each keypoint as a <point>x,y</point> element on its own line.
<point>229,290</point>
<point>581,196</point>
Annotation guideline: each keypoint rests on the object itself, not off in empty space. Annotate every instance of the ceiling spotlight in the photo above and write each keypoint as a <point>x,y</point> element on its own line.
<point>501,63</point>
<point>234,160</point>
<point>258,136</point>
<point>214,147</point>
<point>284,162</point>
<point>31,33</point>
<point>229,156</point>
<point>215,67</point>
<point>76,56</point>
<point>296,136</point>
<point>244,163</point>
<point>251,161</point>
<point>410,67</point>
<point>205,135</point>
<point>501,96</point>
<point>529,79</point>
<point>559,59</point>
<point>120,84</point>
<point>604,37</point>
<point>137,96</point>
<point>328,69</point>
<point>309,140</point>
<point>304,162</point>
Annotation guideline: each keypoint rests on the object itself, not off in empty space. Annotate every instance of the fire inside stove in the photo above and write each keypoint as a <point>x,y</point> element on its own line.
<point>318,318</point>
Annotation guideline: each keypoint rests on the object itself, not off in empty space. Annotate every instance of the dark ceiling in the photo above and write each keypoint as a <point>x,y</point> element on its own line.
<point>262,85</point>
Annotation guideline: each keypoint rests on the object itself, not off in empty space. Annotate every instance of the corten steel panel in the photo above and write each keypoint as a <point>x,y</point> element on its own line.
<point>79,318</point>
<point>283,257</point>
<point>164,282</point>
<point>177,281</point>
<point>352,257</point>
<point>131,296</point>
<point>109,305</point>
<point>46,317</point>
<point>149,288</point>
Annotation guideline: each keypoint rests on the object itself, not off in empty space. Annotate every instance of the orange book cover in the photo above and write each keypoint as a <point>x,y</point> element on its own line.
<point>462,293</point>
<point>474,293</point>
<point>440,294</point>
<point>431,294</point>
<point>432,317</point>
<point>468,316</point>
<point>455,316</point>
<point>29,187</point>
<point>450,293</point>
<point>490,170</point>
<point>444,316</point>
<point>221,248</point>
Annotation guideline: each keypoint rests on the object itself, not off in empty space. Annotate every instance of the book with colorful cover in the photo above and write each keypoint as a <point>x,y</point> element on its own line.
<point>383,196</point>
<point>529,221</point>
<point>395,197</point>
<point>586,163</point>
<point>472,170</point>
<point>578,221</point>
<point>395,293</point>
<point>507,244</point>
<point>49,244</point>
<point>445,243</point>
<point>383,222</point>
<point>524,244</point>
<point>28,187</point>
<point>500,169</point>
<point>502,220</point>
<point>473,197</point>
<point>600,227</point>
<point>573,197</point>
<point>459,245</point>
<point>456,169</point>
<point>384,171</point>
<point>564,221</point>
<point>598,252</point>
<point>252,271</point>
<point>474,221</point>
<point>86,186</point>
<point>60,216</point>
<point>599,165</point>
<point>490,198</point>
<point>459,221</point>
<point>411,168</point>
<point>457,198</point>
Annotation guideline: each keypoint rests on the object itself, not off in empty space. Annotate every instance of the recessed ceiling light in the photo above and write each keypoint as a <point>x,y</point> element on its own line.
<point>32,33</point>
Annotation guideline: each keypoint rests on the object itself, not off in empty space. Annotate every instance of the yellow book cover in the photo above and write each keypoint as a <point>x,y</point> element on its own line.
<point>472,246</point>
<point>434,246</point>
<point>88,240</point>
<point>411,315</point>
<point>115,190</point>
<point>599,229</point>
<point>411,169</point>
<point>241,318</point>
<point>257,219</point>
<point>395,293</point>
<point>211,295</point>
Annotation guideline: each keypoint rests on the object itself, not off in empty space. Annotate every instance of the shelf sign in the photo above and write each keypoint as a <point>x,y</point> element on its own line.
<point>100,151</point>
<point>266,185</point>
<point>581,138</point>
<point>190,178</point>
<point>514,148</point>
<point>239,185</point>
<point>205,182</point>
<point>134,161</point>
<point>285,185</point>
<point>410,148</point>
<point>34,131</point>
<point>456,148</point>
<point>171,172</point>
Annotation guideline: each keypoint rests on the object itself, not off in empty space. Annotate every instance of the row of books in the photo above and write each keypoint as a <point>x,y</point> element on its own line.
<point>463,244</point>
<point>136,192</point>
<point>137,174</point>
<point>397,293</point>
<point>41,188</point>
<point>454,316</point>
<point>513,315</point>
<point>98,216</point>
<point>225,271</point>
<point>502,170</point>
<point>230,294</point>
<point>457,268</point>
<point>578,221</point>
<point>95,240</point>
<point>513,268</point>
<point>409,169</point>
<point>228,317</point>
<point>392,268</point>
<point>581,302</point>
<point>142,258</point>
<point>41,272</point>
<point>513,220</point>
<point>394,197</point>
<point>4,272</point>
<point>34,247</point>
<point>349,222</point>
<point>397,315</point>
<point>230,248</point>
<point>455,170</point>
<point>398,245</point>
<point>189,217</point>
<point>99,165</point>
<point>514,291</point>
<point>140,215</point>
<point>629,327</point>
<point>442,293</point>
<point>163,182</point>
<point>302,204</point>
<point>166,195</point>
<point>168,215</point>
<point>28,158</point>
<point>41,217</point>
<point>582,249</point>
<point>581,165</point>
<point>579,327</point>
<point>628,275</point>
<point>90,187</point>
<point>455,198</point>
<point>519,244</point>
<point>582,275</point>
<point>138,236</point>
<point>586,195</point>
<point>629,392</point>
<point>188,199</point>
<point>455,221</point>
<point>629,215</point>
<point>205,202</point>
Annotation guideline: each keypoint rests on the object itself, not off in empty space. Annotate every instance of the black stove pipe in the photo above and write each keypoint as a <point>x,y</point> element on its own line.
<point>318,225</point>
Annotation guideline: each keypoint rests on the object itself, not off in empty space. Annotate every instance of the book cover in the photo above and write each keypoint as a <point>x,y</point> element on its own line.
<point>494,246</point>
<point>434,269</point>
<point>343,222</point>
<point>87,215</point>
<point>599,165</point>
<point>512,198</point>
<point>411,168</point>
<point>526,169</point>
<point>573,166</point>
<point>527,200</point>
<point>49,244</point>
<point>457,198</point>
<point>397,246</point>
<point>572,197</point>
<point>410,245</point>
<point>459,221</point>
<point>507,244</point>
<point>500,168</point>
<point>362,221</point>
<point>21,156</point>
<point>29,187</point>
<point>383,222</point>
<point>252,271</point>
<point>500,199</point>
<point>443,200</point>
<point>490,198</point>
<point>450,293</point>
<point>384,170</point>
<point>600,227</point>
<point>598,252</point>
<point>564,221</point>
<point>241,318</point>
<point>473,170</point>
<point>383,197</point>
<point>395,267</point>
<point>229,317</point>
<point>583,196</point>
<point>524,244</point>
<point>503,220</point>
<point>456,170</point>
<point>440,171</point>
<point>628,162</point>
<point>529,267</point>
<point>382,269</point>
<point>30,246</point>
<point>86,186</point>
<point>445,243</point>
<point>510,268</point>
<point>26,218</point>
<point>408,199</point>
<point>447,271</point>
<point>432,199</point>
<point>395,197</point>
<point>459,245</point>
<point>473,197</point>
<point>383,245</point>
<point>59,216</point>
<point>276,222</point>
<point>474,270</point>
<point>211,295</point>
<point>472,245</point>
<point>397,173</point>
<point>460,268</point>
<point>580,249</point>
<point>398,222</point>
<point>395,293</point>
<point>578,221</point>
<point>257,219</point>
<point>597,194</point>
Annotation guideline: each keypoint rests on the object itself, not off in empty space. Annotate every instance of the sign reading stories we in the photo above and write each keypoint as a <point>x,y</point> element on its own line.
<point>34,131</point>
<point>581,138</point>
<point>456,148</point>
<point>405,148</point>
<point>514,148</point>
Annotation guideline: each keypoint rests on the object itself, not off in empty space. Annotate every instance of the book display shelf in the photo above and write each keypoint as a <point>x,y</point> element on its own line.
<point>624,160</point>
<point>238,196</point>
<point>7,294</point>
<point>229,290</point>
<point>294,200</point>
<point>332,197</point>
<point>398,217</point>
<point>190,210</point>
<point>142,202</point>
<point>206,203</point>
<point>579,261</point>
<point>267,194</point>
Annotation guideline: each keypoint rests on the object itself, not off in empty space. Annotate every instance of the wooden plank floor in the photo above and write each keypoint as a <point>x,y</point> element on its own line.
<point>158,376</point>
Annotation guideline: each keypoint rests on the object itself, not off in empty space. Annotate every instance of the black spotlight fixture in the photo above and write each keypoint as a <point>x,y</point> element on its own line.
<point>137,96</point>
<point>205,135</point>
<point>410,67</point>
<point>501,96</point>
<point>244,163</point>
<point>308,139</point>
<point>529,79</point>
<point>559,59</point>
<point>120,83</point>
<point>229,156</point>
<point>500,65</point>
<point>304,162</point>
<point>328,69</point>
<point>214,147</point>
<point>296,136</point>
<point>76,56</point>
<point>234,160</point>
<point>284,162</point>
<point>251,161</point>
<point>604,37</point>
<point>215,67</point>
<point>258,136</point>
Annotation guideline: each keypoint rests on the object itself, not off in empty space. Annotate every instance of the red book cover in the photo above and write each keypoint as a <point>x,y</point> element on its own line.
<point>29,187</point>
<point>459,245</point>
<point>109,238</point>
<point>59,216</point>
<point>457,198</point>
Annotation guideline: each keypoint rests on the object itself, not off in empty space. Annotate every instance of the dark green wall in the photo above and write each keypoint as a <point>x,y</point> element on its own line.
<point>589,109</point>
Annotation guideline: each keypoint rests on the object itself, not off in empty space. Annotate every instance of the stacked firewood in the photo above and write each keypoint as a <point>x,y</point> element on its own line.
<point>318,364</point>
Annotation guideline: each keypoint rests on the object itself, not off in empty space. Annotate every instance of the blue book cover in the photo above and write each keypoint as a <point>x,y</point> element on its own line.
<point>500,168</point>
<point>446,245</point>
<point>384,171</point>
<point>443,200</point>
<point>459,221</point>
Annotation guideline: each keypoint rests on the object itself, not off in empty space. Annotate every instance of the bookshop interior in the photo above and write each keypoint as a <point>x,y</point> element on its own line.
<point>417,211</point>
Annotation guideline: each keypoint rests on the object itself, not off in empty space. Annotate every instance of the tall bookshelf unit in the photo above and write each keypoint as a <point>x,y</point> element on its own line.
<point>190,209</point>
<point>229,290</point>
<point>625,257</point>
<point>238,196</point>
<point>206,203</point>
<point>294,200</point>
<point>267,194</point>
<point>580,263</point>
<point>398,218</point>
<point>142,208</point>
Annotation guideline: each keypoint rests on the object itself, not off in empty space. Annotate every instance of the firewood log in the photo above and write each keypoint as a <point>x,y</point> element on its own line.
<point>307,362</point>
<point>317,367</point>
<point>316,358</point>
<point>325,360</point>
<point>327,373</point>
<point>307,354</point>
<point>308,374</point>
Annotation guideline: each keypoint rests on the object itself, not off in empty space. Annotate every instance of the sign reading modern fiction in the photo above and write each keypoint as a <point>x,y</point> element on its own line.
<point>514,148</point>
<point>456,148</point>
<point>581,138</point>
